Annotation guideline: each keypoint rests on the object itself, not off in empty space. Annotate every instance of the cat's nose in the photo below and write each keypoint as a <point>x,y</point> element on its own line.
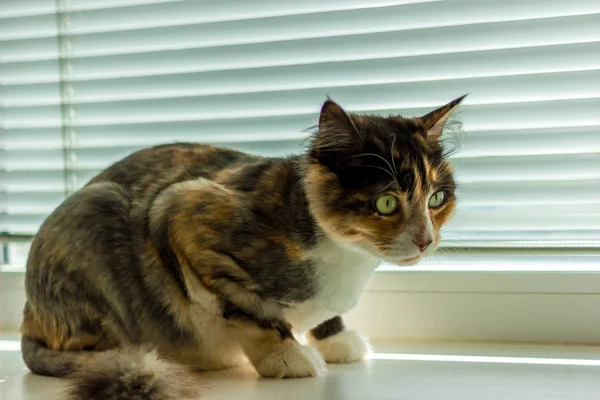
<point>422,241</point>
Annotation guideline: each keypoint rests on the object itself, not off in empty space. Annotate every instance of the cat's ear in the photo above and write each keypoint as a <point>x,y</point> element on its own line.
<point>434,122</point>
<point>337,132</point>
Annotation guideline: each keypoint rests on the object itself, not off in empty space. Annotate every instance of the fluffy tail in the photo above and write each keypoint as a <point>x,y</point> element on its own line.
<point>120,374</point>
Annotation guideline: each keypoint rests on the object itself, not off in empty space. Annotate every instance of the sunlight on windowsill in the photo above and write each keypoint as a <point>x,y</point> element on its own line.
<point>15,346</point>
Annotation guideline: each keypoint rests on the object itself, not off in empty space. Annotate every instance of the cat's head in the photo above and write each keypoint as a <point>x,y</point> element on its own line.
<point>381,183</point>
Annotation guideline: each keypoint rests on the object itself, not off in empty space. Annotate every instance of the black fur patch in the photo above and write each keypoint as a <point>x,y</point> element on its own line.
<point>232,312</point>
<point>328,328</point>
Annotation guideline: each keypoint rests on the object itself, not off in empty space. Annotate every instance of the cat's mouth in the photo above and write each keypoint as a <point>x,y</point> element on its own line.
<point>392,258</point>
<point>402,261</point>
<point>409,261</point>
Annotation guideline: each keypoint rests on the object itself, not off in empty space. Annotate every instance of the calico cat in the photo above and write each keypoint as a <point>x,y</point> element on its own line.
<point>188,256</point>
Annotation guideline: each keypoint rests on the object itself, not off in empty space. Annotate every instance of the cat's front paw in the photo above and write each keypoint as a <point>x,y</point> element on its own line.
<point>293,361</point>
<point>344,347</point>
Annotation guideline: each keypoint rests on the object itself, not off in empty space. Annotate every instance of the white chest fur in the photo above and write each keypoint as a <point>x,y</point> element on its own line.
<point>341,275</point>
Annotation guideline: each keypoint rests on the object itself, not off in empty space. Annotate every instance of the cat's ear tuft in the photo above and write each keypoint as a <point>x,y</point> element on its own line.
<point>434,122</point>
<point>337,131</point>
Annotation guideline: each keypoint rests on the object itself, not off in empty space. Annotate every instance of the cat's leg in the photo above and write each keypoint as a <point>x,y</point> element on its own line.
<point>336,344</point>
<point>67,315</point>
<point>256,323</point>
<point>271,347</point>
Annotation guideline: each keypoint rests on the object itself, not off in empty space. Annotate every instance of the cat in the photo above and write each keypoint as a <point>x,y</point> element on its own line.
<point>185,257</point>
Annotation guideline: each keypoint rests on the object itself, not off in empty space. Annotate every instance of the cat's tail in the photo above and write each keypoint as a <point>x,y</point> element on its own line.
<point>121,374</point>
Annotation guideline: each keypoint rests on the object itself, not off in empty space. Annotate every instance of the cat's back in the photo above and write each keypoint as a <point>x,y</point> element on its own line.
<point>160,166</point>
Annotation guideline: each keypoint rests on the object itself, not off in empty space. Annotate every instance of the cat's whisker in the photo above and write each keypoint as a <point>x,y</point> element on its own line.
<point>380,157</point>
<point>390,184</point>
<point>392,155</point>
<point>447,250</point>
<point>407,159</point>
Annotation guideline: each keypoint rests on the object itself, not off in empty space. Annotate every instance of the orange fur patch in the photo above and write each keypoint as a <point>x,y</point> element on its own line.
<point>54,334</point>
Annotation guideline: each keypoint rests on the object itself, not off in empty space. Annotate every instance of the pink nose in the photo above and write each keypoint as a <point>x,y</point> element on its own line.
<point>422,242</point>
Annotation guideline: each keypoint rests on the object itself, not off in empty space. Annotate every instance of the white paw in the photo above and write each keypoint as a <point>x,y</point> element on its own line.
<point>344,347</point>
<point>294,361</point>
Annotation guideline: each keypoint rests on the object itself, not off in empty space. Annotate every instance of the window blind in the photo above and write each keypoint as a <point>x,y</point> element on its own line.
<point>86,82</point>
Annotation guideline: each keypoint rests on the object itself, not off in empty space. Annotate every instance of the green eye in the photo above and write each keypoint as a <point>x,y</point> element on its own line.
<point>386,204</point>
<point>437,199</point>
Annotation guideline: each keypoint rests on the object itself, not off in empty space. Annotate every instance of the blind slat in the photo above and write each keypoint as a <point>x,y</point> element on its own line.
<point>18,8</point>
<point>525,219</point>
<point>211,10</point>
<point>527,168</point>
<point>36,201</point>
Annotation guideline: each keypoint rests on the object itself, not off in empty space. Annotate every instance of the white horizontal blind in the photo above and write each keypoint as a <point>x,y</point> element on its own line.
<point>252,74</point>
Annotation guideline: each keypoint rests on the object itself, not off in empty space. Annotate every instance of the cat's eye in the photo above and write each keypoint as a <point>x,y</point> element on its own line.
<point>437,199</point>
<point>386,204</point>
